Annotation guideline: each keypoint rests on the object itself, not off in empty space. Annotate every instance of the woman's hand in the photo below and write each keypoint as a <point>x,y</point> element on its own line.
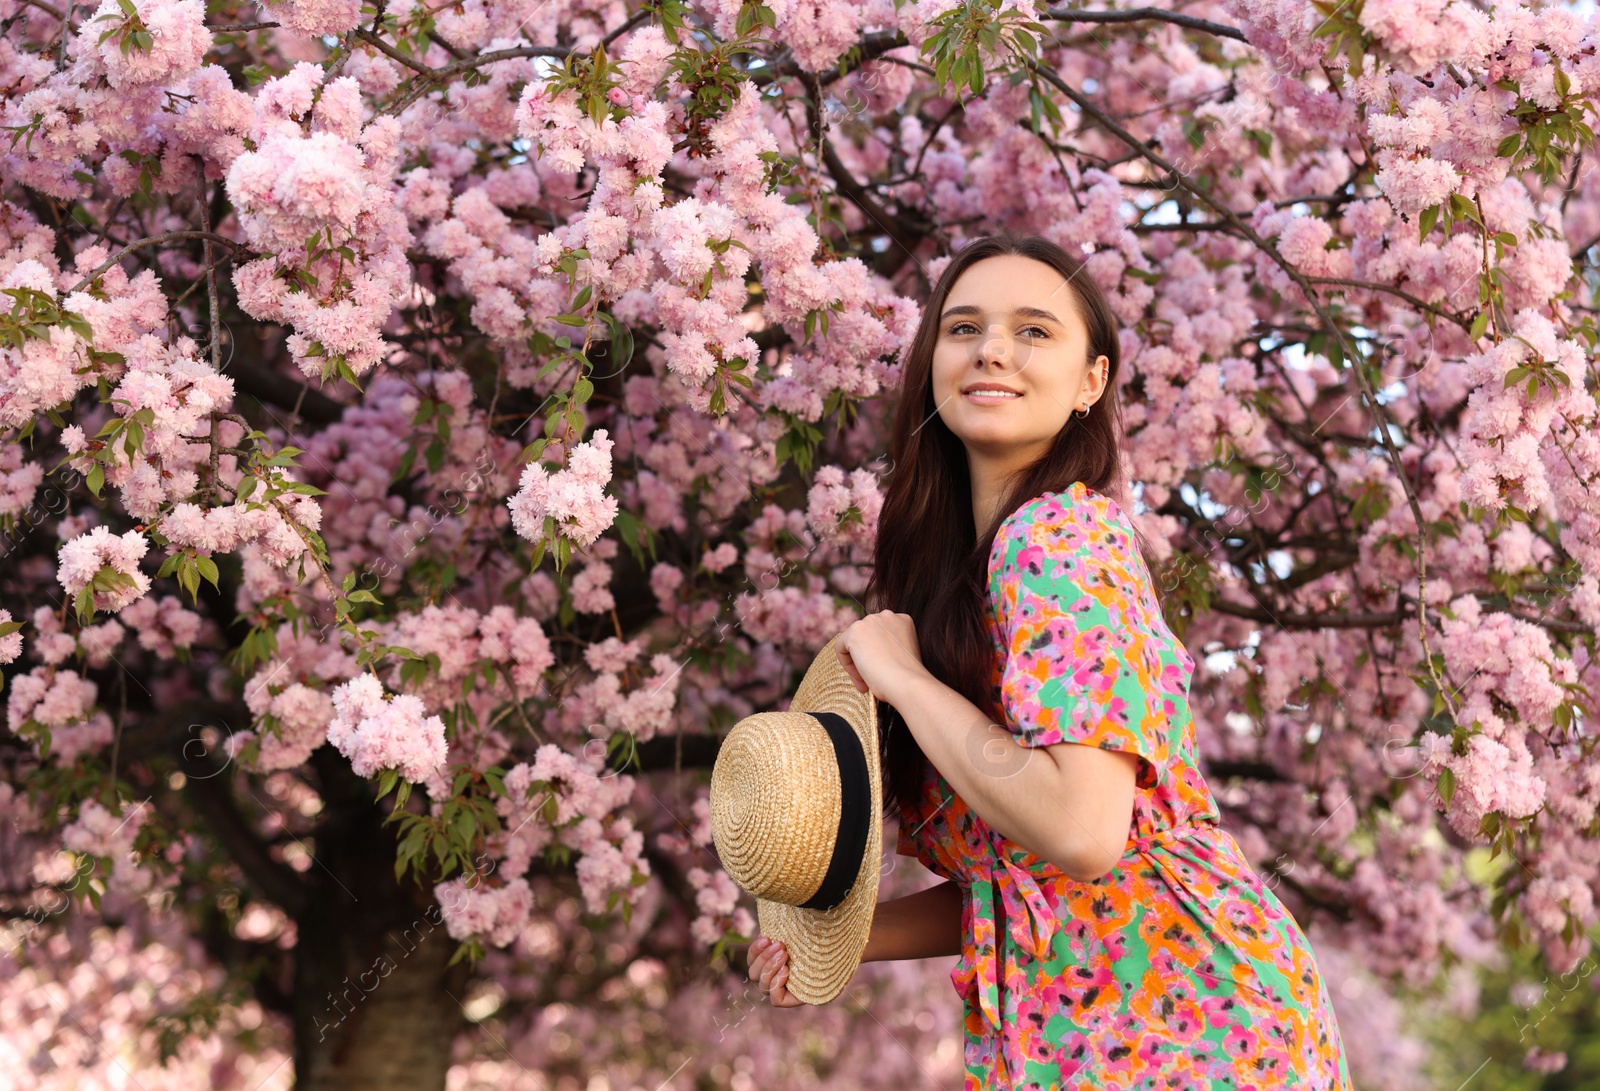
<point>880,653</point>
<point>769,967</point>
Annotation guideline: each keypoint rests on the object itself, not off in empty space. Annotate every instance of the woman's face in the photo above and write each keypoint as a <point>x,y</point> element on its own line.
<point>1012,323</point>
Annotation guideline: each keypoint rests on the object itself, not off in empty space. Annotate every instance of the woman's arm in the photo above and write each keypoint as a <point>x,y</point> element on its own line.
<point>919,925</point>
<point>1069,804</point>
<point>1064,802</point>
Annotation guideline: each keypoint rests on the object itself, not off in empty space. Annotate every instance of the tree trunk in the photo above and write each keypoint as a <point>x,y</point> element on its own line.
<point>376,1006</point>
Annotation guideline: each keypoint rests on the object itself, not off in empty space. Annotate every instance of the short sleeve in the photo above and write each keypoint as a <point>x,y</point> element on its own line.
<point>1089,658</point>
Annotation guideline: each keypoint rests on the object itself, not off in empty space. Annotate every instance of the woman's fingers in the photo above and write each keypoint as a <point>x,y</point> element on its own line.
<point>779,996</point>
<point>769,968</point>
<point>774,982</point>
<point>849,664</point>
<point>761,952</point>
<point>778,961</point>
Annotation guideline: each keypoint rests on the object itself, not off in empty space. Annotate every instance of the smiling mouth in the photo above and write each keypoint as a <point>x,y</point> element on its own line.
<point>989,396</point>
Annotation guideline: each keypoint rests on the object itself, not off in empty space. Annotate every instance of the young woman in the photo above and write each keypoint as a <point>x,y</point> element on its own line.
<point>1111,934</point>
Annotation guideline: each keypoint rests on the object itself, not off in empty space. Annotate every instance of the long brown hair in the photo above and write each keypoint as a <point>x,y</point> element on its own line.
<point>927,561</point>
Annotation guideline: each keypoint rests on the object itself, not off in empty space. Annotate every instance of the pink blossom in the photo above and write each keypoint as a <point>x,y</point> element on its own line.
<point>11,643</point>
<point>316,18</point>
<point>111,558</point>
<point>574,496</point>
<point>378,733</point>
<point>177,40</point>
<point>834,497</point>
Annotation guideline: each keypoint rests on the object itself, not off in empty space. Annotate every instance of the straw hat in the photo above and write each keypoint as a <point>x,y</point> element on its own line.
<point>797,817</point>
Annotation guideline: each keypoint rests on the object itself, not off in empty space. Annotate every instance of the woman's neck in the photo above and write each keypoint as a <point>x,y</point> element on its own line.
<point>990,476</point>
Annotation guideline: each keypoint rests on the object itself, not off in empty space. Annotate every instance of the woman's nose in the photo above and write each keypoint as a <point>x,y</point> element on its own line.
<point>995,345</point>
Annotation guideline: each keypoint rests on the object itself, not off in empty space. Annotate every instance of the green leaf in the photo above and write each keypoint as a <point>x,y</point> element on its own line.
<point>1508,147</point>
<point>403,471</point>
<point>208,569</point>
<point>97,478</point>
<point>1447,785</point>
<point>1430,217</point>
<point>189,578</point>
<point>1479,324</point>
<point>77,323</point>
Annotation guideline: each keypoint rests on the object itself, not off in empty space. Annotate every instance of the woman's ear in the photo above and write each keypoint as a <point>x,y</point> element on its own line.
<point>1098,373</point>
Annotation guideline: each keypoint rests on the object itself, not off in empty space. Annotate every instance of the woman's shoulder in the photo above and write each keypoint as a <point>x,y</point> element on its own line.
<point>1058,518</point>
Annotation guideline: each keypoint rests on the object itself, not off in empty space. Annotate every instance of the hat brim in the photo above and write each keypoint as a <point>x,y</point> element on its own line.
<point>825,945</point>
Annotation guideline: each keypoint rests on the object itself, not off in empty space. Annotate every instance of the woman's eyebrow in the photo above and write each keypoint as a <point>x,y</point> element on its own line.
<point>1020,312</point>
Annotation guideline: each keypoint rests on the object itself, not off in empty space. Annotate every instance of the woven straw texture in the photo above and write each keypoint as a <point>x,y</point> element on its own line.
<point>774,810</point>
<point>775,805</point>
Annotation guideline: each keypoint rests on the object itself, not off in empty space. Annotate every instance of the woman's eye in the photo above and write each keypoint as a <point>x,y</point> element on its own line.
<point>1039,331</point>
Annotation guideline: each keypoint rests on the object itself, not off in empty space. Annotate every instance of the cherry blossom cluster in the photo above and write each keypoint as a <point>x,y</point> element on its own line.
<point>574,496</point>
<point>577,800</point>
<point>843,508</point>
<point>377,731</point>
<point>315,198</point>
<point>55,709</point>
<point>106,565</point>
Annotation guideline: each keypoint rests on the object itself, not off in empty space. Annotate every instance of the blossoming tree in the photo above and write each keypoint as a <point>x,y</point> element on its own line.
<point>427,427</point>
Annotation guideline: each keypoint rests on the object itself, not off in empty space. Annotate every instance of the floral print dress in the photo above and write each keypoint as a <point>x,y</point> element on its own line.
<point>1177,969</point>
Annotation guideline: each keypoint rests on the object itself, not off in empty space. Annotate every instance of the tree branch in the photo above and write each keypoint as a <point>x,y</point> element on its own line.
<point>209,788</point>
<point>48,9</point>
<point>904,237</point>
<point>1309,621</point>
<point>394,54</point>
<point>430,76</point>
<point>259,379</point>
<point>1251,770</point>
<point>871,47</point>
<point>699,752</point>
<point>155,240</point>
<point>1140,15</point>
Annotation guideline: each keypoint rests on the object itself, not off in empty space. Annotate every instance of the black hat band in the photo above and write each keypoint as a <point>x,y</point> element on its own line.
<point>855,813</point>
